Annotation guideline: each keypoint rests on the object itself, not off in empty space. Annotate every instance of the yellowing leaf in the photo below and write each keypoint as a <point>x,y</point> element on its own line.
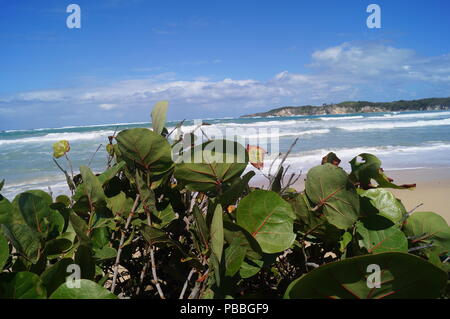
<point>60,148</point>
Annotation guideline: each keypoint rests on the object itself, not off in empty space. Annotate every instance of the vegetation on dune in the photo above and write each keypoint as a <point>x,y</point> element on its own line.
<point>152,227</point>
<point>430,104</point>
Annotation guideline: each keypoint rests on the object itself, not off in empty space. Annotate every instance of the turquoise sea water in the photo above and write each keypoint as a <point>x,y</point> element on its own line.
<point>400,140</point>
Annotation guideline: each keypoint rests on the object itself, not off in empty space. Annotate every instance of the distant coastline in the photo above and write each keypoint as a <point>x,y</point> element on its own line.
<point>348,107</point>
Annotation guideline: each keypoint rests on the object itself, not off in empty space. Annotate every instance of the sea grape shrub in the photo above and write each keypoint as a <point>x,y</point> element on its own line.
<point>153,227</point>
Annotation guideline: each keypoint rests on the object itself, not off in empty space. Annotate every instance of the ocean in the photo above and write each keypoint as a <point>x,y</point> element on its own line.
<point>409,140</point>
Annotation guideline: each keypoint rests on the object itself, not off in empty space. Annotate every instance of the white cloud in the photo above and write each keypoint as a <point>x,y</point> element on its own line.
<point>108,106</point>
<point>347,71</point>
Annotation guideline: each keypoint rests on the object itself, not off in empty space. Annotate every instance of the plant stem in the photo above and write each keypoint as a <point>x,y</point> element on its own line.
<point>197,286</point>
<point>122,239</point>
<point>143,272</point>
<point>186,283</point>
<point>152,260</point>
<point>70,164</point>
<point>155,276</point>
<point>93,155</point>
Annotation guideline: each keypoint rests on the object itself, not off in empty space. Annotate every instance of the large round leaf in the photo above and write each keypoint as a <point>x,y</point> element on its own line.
<point>145,148</point>
<point>33,207</point>
<point>385,204</point>
<point>427,228</point>
<point>379,235</point>
<point>56,275</point>
<point>205,167</point>
<point>327,186</point>
<point>87,290</point>
<point>269,219</point>
<point>24,239</point>
<point>21,285</point>
<point>402,276</point>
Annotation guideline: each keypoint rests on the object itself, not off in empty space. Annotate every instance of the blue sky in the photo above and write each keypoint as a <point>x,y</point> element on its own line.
<point>212,58</point>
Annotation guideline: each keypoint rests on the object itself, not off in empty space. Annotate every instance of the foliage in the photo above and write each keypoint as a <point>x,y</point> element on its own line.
<point>154,227</point>
<point>361,106</point>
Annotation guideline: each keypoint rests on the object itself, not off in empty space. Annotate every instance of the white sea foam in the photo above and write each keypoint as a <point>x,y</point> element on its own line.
<point>281,134</point>
<point>410,115</point>
<point>341,118</point>
<point>393,125</point>
<point>52,137</point>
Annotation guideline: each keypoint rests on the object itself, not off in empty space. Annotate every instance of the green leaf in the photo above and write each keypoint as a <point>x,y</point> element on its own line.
<point>380,235</point>
<point>21,285</point>
<point>107,175</point>
<point>269,219</point>
<point>206,167</point>
<point>103,178</point>
<point>63,199</point>
<point>104,253</point>
<point>236,189</point>
<point>385,204</point>
<point>200,226</point>
<point>216,233</point>
<point>235,234</point>
<point>35,210</point>
<point>159,114</point>
<point>24,239</point>
<point>250,267</point>
<point>276,185</point>
<point>147,195</point>
<point>80,227</point>
<point>5,210</point>
<point>100,237</point>
<point>428,228</point>
<point>4,251</point>
<point>370,168</point>
<point>164,217</point>
<point>403,276</point>
<point>156,236</point>
<point>60,148</point>
<point>146,149</point>
<point>87,290</point>
<point>92,188</point>
<point>120,205</point>
<point>57,246</point>
<point>56,275</point>
<point>307,219</point>
<point>328,188</point>
<point>85,259</point>
<point>345,240</point>
<point>234,257</point>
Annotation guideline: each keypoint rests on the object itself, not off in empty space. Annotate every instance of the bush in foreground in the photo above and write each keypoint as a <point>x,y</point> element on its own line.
<point>149,227</point>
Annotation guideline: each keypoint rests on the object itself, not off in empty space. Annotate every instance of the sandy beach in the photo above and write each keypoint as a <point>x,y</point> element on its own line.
<point>433,189</point>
